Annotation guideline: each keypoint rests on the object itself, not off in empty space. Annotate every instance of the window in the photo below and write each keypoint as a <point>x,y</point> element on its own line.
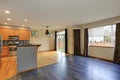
<point>50,34</point>
<point>61,41</point>
<point>34,33</point>
<point>102,36</point>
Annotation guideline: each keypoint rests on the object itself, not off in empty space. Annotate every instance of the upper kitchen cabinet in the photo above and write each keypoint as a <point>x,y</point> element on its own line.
<point>28,34</point>
<point>13,32</point>
<point>4,33</point>
<point>24,34</point>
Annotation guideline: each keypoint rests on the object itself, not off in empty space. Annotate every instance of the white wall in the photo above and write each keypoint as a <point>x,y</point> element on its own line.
<point>105,53</point>
<point>70,40</point>
<point>46,42</point>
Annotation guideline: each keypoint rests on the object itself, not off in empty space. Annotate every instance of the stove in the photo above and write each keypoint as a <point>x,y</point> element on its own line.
<point>13,42</point>
<point>12,50</point>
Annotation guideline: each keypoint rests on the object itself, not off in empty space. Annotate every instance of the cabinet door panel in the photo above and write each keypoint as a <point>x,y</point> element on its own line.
<point>27,35</point>
<point>5,51</point>
<point>24,34</point>
<point>3,32</point>
<point>12,32</point>
<point>21,34</point>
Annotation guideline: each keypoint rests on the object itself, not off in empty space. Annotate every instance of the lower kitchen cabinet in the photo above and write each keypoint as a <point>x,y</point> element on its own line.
<point>5,51</point>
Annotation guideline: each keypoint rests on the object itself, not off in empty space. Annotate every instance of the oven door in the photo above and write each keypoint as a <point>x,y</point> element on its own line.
<point>12,50</point>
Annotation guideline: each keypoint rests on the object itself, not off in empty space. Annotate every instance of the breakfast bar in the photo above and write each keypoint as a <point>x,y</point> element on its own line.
<point>27,57</point>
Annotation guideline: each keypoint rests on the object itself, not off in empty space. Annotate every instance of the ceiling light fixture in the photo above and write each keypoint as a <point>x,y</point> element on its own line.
<point>22,25</point>
<point>7,12</point>
<point>25,20</point>
<point>47,32</point>
<point>5,23</point>
<point>8,19</point>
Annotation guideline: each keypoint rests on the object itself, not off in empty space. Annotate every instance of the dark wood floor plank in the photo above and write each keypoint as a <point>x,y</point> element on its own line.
<point>74,68</point>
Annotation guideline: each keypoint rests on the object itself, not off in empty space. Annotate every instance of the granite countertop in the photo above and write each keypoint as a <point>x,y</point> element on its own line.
<point>38,45</point>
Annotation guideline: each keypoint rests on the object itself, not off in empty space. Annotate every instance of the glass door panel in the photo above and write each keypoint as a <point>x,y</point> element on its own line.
<point>61,41</point>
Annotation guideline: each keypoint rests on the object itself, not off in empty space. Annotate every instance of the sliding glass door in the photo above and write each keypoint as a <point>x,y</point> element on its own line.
<point>61,41</point>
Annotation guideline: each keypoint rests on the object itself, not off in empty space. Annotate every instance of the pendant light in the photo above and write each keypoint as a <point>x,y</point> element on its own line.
<point>47,32</point>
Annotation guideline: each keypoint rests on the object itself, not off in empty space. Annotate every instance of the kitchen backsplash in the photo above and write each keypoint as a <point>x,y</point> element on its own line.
<point>5,42</point>
<point>21,42</point>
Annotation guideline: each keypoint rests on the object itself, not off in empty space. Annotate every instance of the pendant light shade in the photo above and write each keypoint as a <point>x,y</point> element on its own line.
<point>47,32</point>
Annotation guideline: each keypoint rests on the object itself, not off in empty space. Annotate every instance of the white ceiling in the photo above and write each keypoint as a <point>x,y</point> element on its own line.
<point>57,13</point>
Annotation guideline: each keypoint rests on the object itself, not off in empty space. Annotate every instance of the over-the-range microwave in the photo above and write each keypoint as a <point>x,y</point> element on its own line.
<point>13,38</point>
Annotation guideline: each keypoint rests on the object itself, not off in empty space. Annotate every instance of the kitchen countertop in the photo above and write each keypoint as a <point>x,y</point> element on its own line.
<point>38,45</point>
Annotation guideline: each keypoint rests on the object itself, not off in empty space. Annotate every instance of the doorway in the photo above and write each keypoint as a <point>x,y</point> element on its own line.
<point>77,48</point>
<point>60,43</point>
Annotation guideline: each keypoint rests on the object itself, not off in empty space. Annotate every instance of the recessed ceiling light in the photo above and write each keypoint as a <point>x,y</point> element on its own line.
<point>7,12</point>
<point>25,20</point>
<point>5,23</point>
<point>22,25</point>
<point>8,19</point>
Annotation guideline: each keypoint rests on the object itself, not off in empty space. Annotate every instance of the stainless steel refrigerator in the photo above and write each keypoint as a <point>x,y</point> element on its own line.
<point>0,48</point>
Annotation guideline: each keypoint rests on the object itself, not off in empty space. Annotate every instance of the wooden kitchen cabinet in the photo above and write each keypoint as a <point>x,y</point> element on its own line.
<point>13,32</point>
<point>4,33</point>
<point>28,35</point>
<point>24,34</point>
<point>5,51</point>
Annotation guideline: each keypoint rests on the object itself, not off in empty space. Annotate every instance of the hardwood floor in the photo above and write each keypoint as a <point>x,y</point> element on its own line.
<point>74,68</point>
<point>48,58</point>
<point>9,64</point>
<point>8,67</point>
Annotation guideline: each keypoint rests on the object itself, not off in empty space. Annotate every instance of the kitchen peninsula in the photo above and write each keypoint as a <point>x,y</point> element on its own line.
<point>27,57</point>
<point>27,45</point>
